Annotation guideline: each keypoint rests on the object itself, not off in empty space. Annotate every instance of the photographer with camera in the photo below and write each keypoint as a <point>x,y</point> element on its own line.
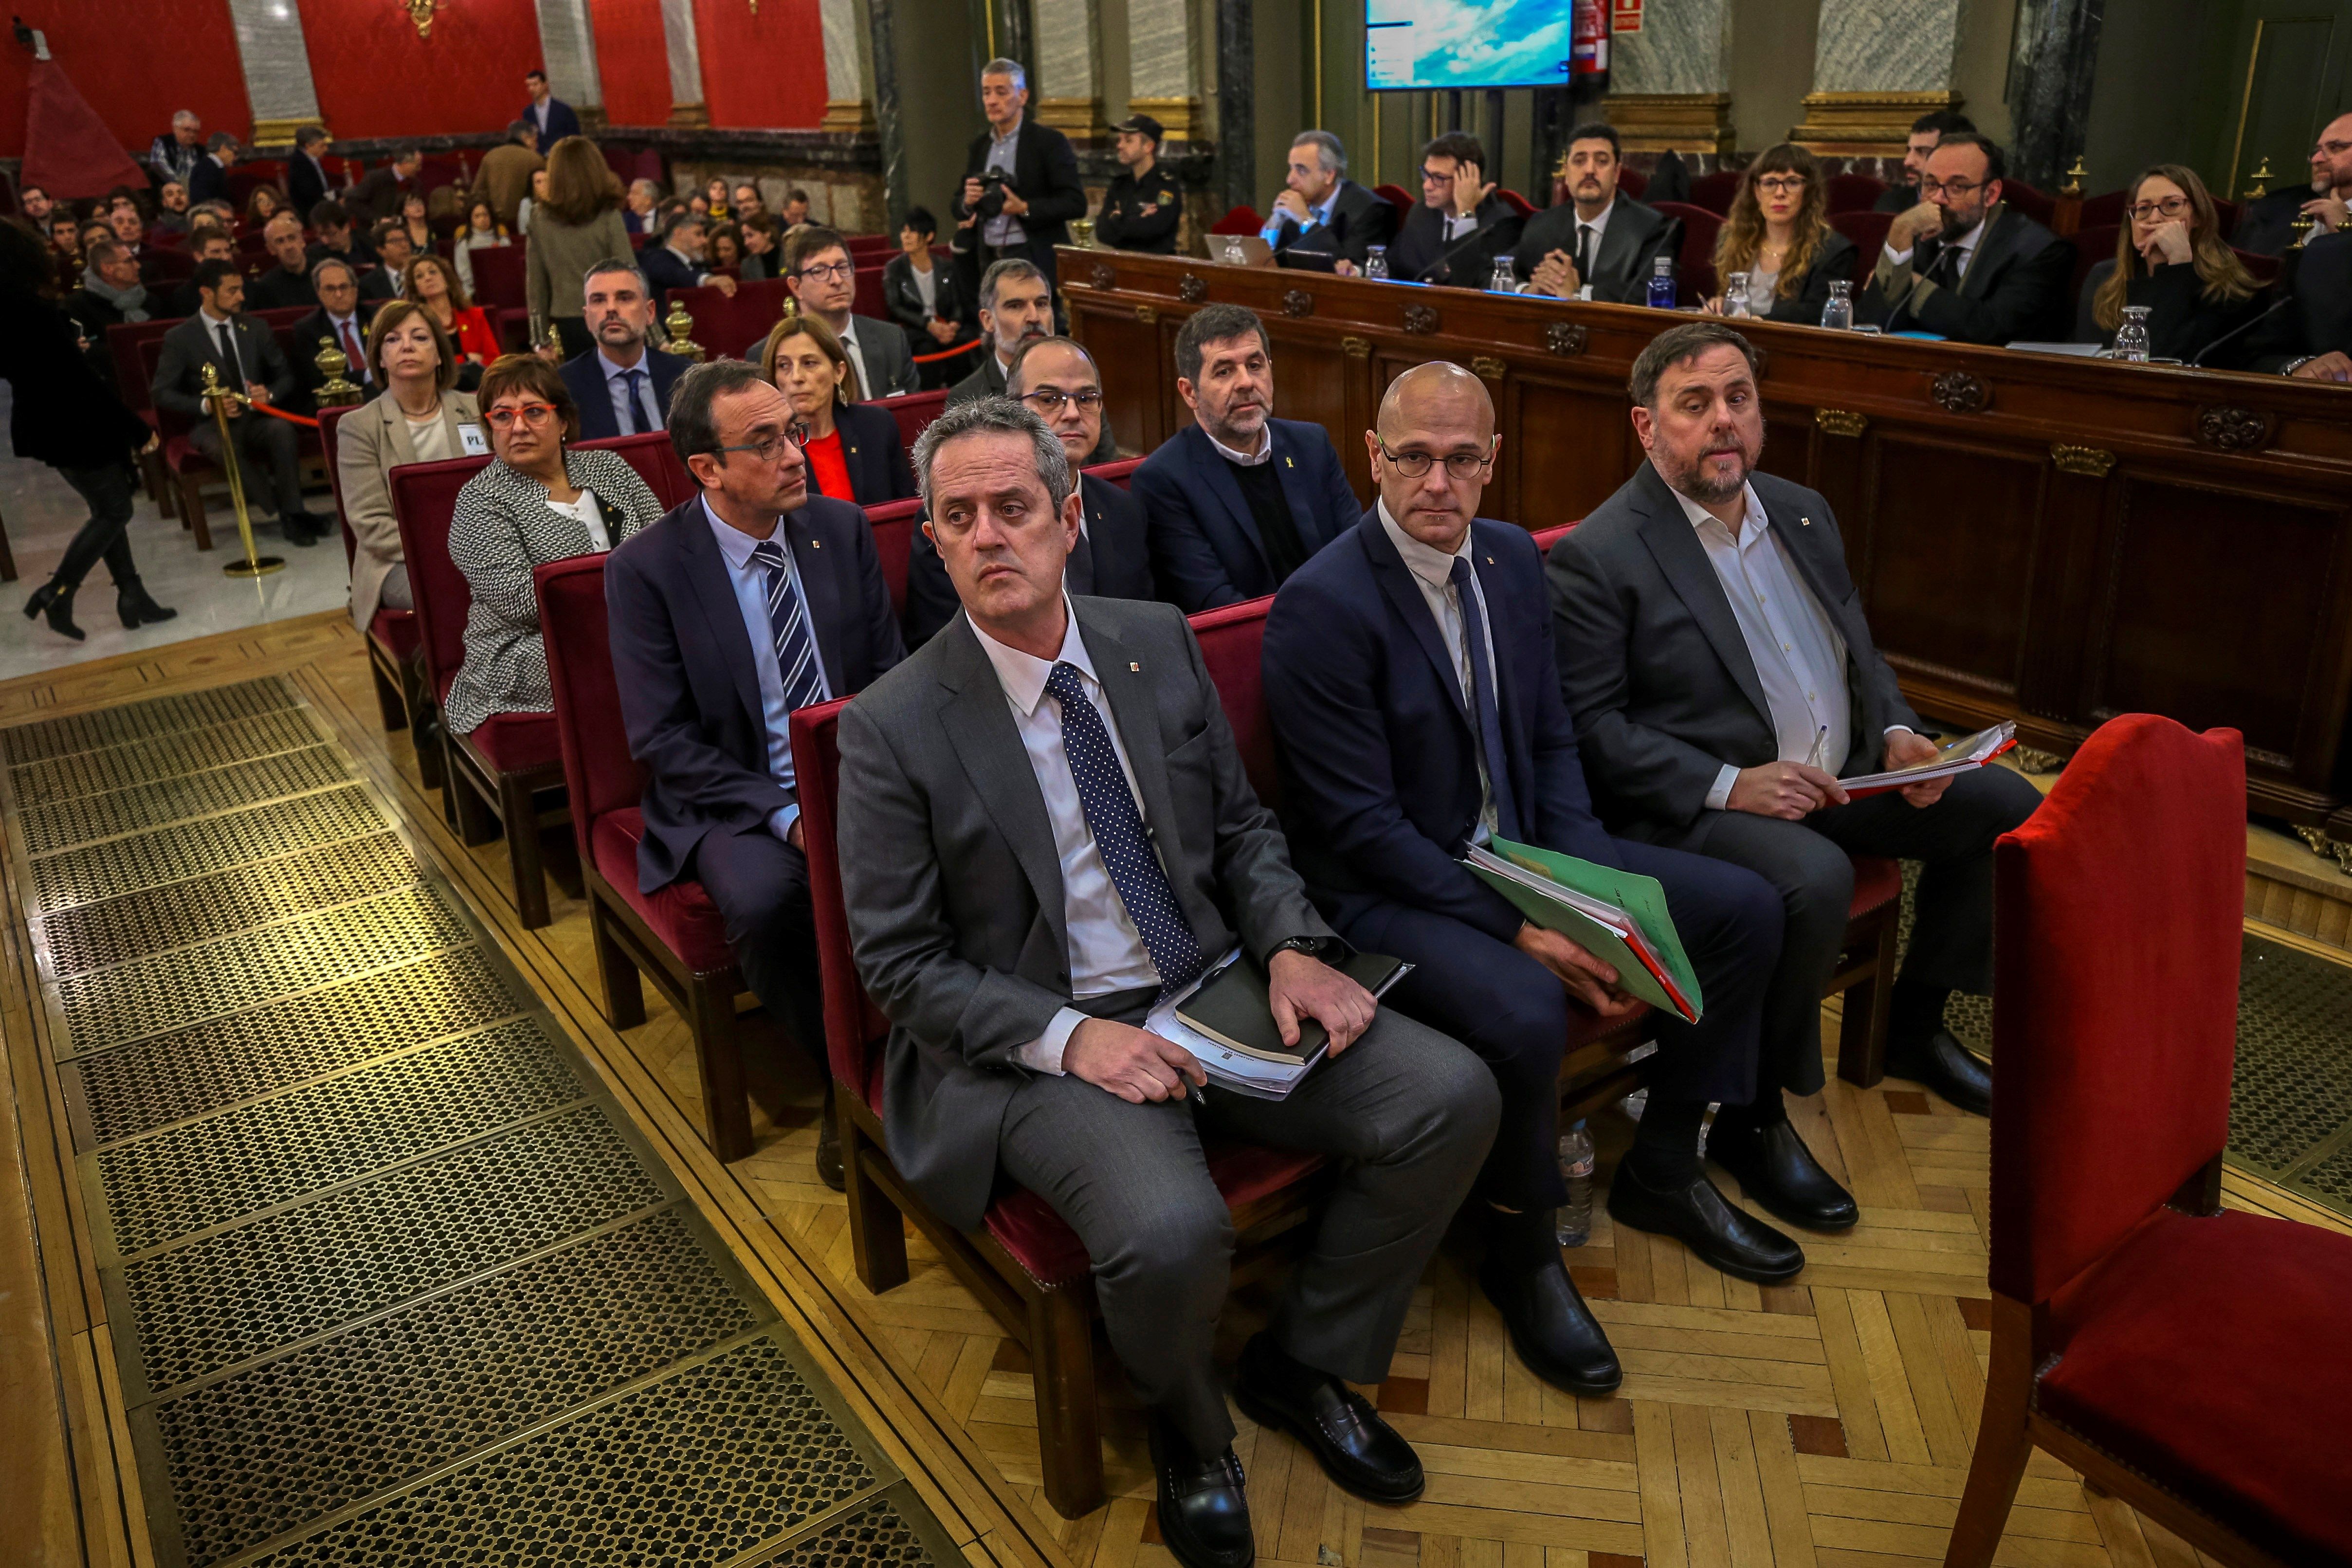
<point>1021,183</point>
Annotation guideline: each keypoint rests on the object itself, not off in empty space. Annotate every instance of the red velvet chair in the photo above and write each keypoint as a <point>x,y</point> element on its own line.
<point>1515,202</point>
<point>1695,266</point>
<point>1852,193</point>
<point>731,328</point>
<point>913,411</point>
<point>2190,1361</point>
<point>2107,208</point>
<point>1121,473</point>
<point>1867,230</point>
<point>894,524</point>
<point>1713,191</point>
<point>2040,208</point>
<point>1238,220</point>
<point>1865,972</point>
<point>2093,244</point>
<point>495,774</point>
<point>392,637</point>
<point>675,936</point>
<point>189,469</point>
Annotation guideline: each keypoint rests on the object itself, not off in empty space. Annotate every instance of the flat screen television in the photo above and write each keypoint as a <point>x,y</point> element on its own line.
<point>1446,44</point>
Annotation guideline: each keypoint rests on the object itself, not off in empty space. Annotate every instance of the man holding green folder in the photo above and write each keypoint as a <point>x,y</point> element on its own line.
<point>1410,675</point>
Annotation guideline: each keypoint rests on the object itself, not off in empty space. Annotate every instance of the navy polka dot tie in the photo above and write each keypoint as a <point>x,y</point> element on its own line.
<point>1119,834</point>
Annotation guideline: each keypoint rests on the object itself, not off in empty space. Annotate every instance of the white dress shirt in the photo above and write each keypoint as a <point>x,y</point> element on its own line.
<point>749,578</point>
<point>858,389</point>
<point>1432,573</point>
<point>583,510</point>
<point>1264,453</point>
<point>1106,953</point>
<point>1965,248</point>
<point>1600,228</point>
<point>616,387</point>
<point>1004,151</point>
<point>1800,656</point>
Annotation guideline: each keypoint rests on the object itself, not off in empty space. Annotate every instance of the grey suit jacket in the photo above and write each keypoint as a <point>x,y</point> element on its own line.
<point>884,360</point>
<point>955,895</point>
<point>1654,668</point>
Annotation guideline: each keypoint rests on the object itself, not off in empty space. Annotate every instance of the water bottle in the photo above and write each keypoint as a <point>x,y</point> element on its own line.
<point>2131,338</point>
<point>1735,296</point>
<point>1572,1222</point>
<point>1376,262</point>
<point>1662,284</point>
<point>1838,314</point>
<point>1506,278</point>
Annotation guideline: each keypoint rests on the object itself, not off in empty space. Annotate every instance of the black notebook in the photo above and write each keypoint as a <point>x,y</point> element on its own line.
<point>1231,1006</point>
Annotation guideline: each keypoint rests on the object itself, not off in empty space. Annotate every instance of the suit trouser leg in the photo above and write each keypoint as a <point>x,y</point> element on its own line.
<point>259,442</point>
<point>1733,929</point>
<point>1407,1113</point>
<point>761,885</point>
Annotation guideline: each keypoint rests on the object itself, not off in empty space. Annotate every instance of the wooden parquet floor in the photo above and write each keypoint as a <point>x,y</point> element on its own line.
<point>1828,1422</point>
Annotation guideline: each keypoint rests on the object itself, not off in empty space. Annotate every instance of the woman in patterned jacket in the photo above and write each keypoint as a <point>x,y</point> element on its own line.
<point>537,502</point>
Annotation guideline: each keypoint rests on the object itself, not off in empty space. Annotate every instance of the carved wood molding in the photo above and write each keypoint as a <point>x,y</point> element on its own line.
<point>1957,391</point>
<point>1355,347</point>
<point>1193,288</point>
<point>1487,367</point>
<point>1298,302</point>
<point>2228,428</point>
<point>1104,275</point>
<point>1420,319</point>
<point>1841,422</point>
<point>1565,339</point>
<point>2090,462</point>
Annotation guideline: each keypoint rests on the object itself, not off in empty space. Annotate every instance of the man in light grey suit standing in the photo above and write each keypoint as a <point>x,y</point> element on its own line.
<point>1052,825</point>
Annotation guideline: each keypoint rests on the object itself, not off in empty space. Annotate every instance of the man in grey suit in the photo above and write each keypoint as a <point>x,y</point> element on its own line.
<point>246,353</point>
<point>820,273</point>
<point>1714,651</point>
<point>1055,829</point>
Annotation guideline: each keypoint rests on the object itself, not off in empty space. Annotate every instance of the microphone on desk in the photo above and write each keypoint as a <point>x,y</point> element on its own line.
<point>2241,329</point>
<point>1441,268</point>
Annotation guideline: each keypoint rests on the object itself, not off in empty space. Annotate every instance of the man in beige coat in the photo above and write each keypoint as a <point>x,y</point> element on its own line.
<point>504,178</point>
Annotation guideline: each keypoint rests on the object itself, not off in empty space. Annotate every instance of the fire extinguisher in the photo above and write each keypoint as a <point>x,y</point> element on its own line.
<point>1588,55</point>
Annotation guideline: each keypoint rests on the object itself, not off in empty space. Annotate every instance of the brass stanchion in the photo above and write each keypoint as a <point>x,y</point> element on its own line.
<point>679,324</point>
<point>334,364</point>
<point>254,565</point>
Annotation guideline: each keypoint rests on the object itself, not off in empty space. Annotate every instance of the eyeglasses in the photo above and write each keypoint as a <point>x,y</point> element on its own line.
<point>830,272</point>
<point>1049,399</point>
<point>2169,206</point>
<point>767,448</point>
<point>1931,186</point>
<point>532,414</point>
<point>2333,149</point>
<point>1431,177</point>
<point>1781,184</point>
<point>1465,465</point>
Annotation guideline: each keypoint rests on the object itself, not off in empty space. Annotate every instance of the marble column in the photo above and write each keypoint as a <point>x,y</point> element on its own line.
<point>1164,68</point>
<point>1878,65</point>
<point>1236,102</point>
<point>1670,84</point>
<point>277,70</point>
<point>567,50</point>
<point>882,44</point>
<point>848,67</point>
<point>686,106</point>
<point>2054,55</point>
<point>1067,89</point>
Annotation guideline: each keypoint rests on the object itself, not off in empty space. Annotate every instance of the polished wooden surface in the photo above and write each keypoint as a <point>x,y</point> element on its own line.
<point>2037,537</point>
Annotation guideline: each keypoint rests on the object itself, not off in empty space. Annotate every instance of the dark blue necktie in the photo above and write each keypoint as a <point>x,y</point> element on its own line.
<point>637,421</point>
<point>804,678</point>
<point>1481,702</point>
<point>1118,826</point>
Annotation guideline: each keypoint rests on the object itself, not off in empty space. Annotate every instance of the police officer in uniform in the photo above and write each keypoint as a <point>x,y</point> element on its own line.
<point>1143,207</point>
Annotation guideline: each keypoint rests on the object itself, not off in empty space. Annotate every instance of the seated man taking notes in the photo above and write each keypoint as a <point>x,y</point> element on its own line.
<point>1052,829</point>
<point>1714,651</point>
<point>1410,675</point>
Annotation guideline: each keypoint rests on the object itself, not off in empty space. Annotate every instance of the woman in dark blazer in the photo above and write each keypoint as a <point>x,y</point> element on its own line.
<point>2170,257</point>
<point>941,319</point>
<point>1778,234</point>
<point>853,448</point>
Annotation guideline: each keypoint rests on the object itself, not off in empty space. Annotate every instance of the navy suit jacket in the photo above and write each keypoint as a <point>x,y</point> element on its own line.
<point>1205,547</point>
<point>689,689</point>
<point>584,379</point>
<point>875,455</point>
<point>1380,772</point>
<point>561,123</point>
<point>1113,561</point>
<point>664,271</point>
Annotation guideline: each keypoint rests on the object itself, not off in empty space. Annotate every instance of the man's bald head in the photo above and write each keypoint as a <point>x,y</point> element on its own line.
<point>1437,417</point>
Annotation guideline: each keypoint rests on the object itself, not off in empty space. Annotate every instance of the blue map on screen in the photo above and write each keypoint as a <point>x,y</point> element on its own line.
<point>1466,43</point>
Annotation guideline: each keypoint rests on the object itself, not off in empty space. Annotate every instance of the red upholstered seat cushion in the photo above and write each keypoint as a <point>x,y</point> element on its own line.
<point>681,914</point>
<point>2207,1354</point>
<point>395,632</point>
<point>1026,1226</point>
<point>518,743</point>
<point>1876,882</point>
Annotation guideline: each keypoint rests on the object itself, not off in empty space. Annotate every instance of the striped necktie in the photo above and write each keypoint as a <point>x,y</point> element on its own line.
<point>796,661</point>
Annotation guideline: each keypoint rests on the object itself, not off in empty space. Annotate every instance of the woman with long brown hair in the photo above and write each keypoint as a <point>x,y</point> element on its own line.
<point>1778,236</point>
<point>576,227</point>
<point>2170,258</point>
<point>853,448</point>
<point>433,283</point>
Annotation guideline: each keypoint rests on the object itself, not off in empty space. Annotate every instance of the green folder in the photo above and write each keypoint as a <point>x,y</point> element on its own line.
<point>1640,898</point>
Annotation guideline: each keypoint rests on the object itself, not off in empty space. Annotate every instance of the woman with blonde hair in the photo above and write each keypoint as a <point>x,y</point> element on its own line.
<point>1778,234</point>
<point>853,448</point>
<point>578,226</point>
<point>2170,257</point>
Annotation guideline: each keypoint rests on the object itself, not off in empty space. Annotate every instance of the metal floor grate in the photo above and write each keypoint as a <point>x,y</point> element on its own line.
<point>389,1277</point>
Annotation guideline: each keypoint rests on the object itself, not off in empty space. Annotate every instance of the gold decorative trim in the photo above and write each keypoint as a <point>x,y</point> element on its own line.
<point>2089,462</point>
<point>847,116</point>
<point>2034,760</point>
<point>420,12</point>
<point>1355,347</point>
<point>1487,367</point>
<point>1672,121</point>
<point>1840,422</point>
<point>2319,843</point>
<point>1147,314</point>
<point>1865,124</point>
<point>279,132</point>
<point>1076,117</point>
<point>1177,117</point>
<point>690,116</point>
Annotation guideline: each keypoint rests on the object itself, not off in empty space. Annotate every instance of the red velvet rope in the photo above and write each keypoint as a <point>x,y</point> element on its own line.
<point>277,412</point>
<point>956,352</point>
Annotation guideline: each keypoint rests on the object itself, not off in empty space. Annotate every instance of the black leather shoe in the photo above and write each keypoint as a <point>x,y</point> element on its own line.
<point>1360,1452</point>
<point>1948,1067</point>
<point>828,1153</point>
<point>1779,1175</point>
<point>132,602</point>
<point>1702,1219</point>
<point>54,603</point>
<point>1203,1509</point>
<point>301,528</point>
<point>1552,1330</point>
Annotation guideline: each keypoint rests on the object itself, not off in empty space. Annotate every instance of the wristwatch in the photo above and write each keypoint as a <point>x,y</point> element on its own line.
<point>1315,947</point>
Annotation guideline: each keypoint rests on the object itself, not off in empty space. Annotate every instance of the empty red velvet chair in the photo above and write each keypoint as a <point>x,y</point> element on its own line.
<point>894,524</point>
<point>914,411</point>
<point>393,639</point>
<point>1713,191</point>
<point>1695,266</point>
<point>1867,230</point>
<point>1852,193</point>
<point>1121,473</point>
<point>675,936</point>
<point>2188,1361</point>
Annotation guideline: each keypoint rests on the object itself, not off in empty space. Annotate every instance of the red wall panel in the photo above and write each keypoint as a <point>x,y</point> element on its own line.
<point>765,71</point>
<point>135,61</point>
<point>376,77</point>
<point>631,60</point>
